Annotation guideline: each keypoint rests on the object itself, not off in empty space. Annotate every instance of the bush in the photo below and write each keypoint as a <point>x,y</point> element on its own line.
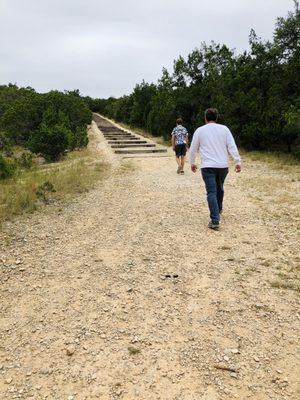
<point>51,142</point>
<point>7,167</point>
<point>5,144</point>
<point>43,191</point>
<point>25,160</point>
<point>23,111</point>
<point>80,138</point>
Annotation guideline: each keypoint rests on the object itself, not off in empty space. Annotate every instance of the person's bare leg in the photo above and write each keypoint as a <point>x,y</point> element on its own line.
<point>182,161</point>
<point>178,163</point>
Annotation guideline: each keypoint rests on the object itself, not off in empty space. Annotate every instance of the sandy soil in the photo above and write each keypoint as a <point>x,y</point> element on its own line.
<point>125,293</point>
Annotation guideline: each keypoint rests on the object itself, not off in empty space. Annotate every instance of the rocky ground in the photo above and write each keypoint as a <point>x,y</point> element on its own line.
<point>125,293</point>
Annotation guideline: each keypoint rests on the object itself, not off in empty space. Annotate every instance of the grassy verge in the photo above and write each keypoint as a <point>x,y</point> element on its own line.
<point>276,160</point>
<point>33,188</point>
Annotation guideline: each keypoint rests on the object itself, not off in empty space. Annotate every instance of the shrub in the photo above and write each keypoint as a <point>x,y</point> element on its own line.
<point>51,142</point>
<point>5,144</point>
<point>25,160</point>
<point>7,167</point>
<point>80,138</point>
<point>43,190</point>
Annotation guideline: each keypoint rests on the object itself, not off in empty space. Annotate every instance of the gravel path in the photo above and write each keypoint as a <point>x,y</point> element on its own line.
<point>125,293</point>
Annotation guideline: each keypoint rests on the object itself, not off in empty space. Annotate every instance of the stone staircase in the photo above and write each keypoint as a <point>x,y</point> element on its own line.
<point>123,142</point>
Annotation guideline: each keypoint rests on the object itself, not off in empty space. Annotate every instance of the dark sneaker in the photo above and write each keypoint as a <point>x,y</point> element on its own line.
<point>214,226</point>
<point>182,172</point>
<point>178,170</point>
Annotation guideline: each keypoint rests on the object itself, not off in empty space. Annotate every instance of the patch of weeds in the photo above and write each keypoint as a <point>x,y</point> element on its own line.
<point>100,166</point>
<point>43,190</point>
<point>77,173</point>
<point>133,350</point>
<point>252,269</point>
<point>25,160</point>
<point>127,166</point>
<point>282,275</point>
<point>285,285</point>
<point>225,248</point>
<point>266,263</point>
<point>277,160</point>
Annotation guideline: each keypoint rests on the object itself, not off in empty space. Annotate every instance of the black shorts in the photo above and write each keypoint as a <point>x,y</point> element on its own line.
<point>180,150</point>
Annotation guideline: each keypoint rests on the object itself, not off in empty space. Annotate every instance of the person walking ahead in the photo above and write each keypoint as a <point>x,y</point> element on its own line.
<point>179,144</point>
<point>214,141</point>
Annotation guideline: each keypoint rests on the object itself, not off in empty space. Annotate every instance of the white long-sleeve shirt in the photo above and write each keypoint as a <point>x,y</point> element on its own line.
<point>213,141</point>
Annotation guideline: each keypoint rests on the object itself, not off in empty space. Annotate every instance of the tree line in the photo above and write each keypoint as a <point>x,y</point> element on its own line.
<point>257,92</point>
<point>46,124</point>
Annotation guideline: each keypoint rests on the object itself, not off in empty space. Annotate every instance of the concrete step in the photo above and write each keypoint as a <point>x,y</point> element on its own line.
<point>134,145</point>
<point>131,141</point>
<point>140,151</point>
<point>122,138</point>
<point>108,136</point>
<point>150,155</point>
<point>117,134</point>
<point>110,129</point>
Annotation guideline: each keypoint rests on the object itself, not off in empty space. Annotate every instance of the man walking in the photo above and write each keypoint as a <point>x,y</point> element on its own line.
<point>214,141</point>
<point>179,144</point>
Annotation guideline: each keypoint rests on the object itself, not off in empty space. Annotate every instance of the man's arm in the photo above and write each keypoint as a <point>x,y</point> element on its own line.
<point>173,141</point>
<point>194,148</point>
<point>233,150</point>
<point>187,139</point>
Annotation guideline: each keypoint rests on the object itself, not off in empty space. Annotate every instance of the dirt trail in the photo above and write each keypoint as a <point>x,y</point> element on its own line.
<point>88,310</point>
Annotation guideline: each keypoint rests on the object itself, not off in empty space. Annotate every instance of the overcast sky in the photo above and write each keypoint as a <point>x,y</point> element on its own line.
<point>105,47</point>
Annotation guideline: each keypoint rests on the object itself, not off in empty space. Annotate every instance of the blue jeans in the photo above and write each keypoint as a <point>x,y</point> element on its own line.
<point>214,182</point>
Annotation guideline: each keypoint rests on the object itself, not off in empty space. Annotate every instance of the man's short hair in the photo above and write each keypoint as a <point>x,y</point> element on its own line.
<point>211,114</point>
<point>179,121</point>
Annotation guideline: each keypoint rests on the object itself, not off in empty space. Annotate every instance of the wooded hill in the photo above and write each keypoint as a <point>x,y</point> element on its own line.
<point>46,124</point>
<point>257,92</point>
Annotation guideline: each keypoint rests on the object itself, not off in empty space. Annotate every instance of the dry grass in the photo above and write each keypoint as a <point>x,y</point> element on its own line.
<point>279,284</point>
<point>276,160</point>
<point>28,190</point>
<point>127,166</point>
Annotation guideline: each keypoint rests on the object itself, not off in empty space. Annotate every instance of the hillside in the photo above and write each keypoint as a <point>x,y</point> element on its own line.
<point>125,294</point>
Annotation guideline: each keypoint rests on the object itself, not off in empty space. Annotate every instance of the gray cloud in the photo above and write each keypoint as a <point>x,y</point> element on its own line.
<point>105,47</point>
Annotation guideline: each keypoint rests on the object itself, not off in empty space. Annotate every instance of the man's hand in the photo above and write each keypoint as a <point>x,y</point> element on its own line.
<point>238,168</point>
<point>194,168</point>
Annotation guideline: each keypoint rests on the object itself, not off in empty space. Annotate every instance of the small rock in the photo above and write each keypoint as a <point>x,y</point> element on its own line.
<point>70,350</point>
<point>259,306</point>
<point>8,381</point>
<point>256,359</point>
